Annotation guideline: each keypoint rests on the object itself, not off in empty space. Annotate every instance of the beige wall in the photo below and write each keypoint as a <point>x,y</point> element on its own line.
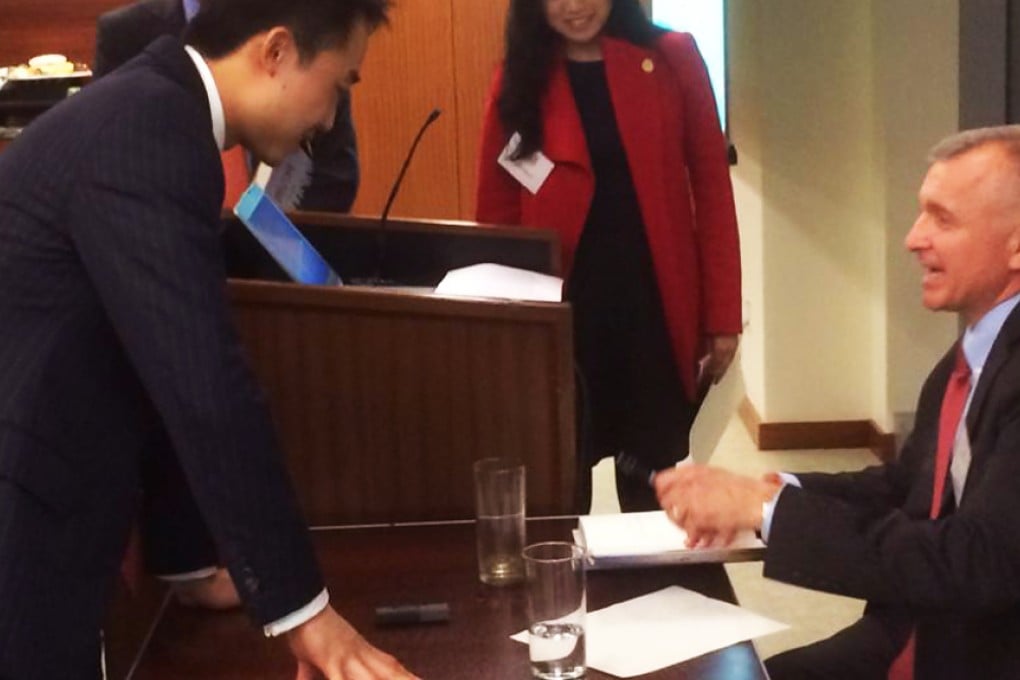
<point>832,107</point>
<point>917,86</point>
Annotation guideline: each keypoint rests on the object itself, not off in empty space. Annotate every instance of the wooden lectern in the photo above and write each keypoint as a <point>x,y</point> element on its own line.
<point>384,396</point>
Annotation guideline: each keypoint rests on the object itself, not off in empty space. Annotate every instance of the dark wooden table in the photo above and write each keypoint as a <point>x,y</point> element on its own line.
<point>369,567</point>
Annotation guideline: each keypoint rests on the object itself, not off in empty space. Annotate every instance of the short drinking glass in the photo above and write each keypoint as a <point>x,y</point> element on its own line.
<point>556,609</point>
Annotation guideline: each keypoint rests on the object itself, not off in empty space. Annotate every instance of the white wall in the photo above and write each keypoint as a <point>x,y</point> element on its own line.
<point>833,105</point>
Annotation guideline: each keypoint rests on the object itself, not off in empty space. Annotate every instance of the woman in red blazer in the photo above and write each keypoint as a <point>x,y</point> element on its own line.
<point>603,127</point>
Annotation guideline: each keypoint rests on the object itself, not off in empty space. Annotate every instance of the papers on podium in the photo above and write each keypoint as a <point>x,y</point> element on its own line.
<point>499,281</point>
<point>637,539</point>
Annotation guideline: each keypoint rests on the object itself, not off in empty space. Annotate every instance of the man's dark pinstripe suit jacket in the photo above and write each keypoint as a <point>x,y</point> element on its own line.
<point>114,329</point>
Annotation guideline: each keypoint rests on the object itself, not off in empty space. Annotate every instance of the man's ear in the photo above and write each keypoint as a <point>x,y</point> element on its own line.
<point>1013,246</point>
<point>276,48</point>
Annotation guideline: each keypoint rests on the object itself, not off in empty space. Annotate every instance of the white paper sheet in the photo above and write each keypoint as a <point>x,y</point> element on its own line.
<point>497,280</point>
<point>663,628</point>
<point>716,412</point>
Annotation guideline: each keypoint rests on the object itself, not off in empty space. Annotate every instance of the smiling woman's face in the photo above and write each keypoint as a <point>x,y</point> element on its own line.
<point>580,22</point>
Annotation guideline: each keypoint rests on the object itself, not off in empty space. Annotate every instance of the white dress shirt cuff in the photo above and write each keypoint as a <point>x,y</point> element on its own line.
<point>196,575</point>
<point>769,507</point>
<point>295,619</point>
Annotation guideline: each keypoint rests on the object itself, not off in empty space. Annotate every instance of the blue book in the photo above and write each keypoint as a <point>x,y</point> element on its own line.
<point>282,240</point>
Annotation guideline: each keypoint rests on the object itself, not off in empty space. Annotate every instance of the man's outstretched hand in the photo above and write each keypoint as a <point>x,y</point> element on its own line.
<point>326,646</point>
<point>712,504</point>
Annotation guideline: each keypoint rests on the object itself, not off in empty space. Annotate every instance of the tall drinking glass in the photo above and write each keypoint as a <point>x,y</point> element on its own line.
<point>499,510</point>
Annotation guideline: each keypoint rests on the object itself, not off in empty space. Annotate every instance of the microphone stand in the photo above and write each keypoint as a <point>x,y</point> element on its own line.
<point>380,240</point>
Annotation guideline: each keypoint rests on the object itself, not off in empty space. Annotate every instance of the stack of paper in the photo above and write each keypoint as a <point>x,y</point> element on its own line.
<point>499,281</point>
<point>650,538</point>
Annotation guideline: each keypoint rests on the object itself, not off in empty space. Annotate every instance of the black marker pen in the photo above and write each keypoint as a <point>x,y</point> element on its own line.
<point>410,614</point>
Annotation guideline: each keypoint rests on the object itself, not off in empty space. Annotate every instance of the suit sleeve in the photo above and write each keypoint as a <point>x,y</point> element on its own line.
<point>849,534</point>
<point>145,223</point>
<point>705,152</point>
<point>122,34</point>
<point>498,195</point>
<point>108,57</point>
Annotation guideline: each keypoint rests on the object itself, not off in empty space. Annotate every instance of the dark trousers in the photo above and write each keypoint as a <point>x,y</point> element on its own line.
<point>55,584</point>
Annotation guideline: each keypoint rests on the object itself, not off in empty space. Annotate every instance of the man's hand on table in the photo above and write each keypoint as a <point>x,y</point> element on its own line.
<point>327,646</point>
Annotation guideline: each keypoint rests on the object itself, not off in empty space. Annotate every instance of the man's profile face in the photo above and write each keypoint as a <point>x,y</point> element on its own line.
<point>302,98</point>
<point>966,232</point>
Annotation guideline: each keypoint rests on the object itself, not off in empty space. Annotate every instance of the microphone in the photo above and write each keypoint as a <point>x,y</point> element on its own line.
<point>380,241</point>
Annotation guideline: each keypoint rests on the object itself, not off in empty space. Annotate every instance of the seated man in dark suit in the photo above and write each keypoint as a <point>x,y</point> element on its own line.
<point>932,539</point>
<point>116,333</point>
<point>123,33</point>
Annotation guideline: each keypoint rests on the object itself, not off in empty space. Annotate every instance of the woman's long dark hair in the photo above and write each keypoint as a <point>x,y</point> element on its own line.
<point>531,47</point>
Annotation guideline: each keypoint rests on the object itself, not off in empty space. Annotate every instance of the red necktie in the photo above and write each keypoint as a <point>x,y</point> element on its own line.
<point>953,401</point>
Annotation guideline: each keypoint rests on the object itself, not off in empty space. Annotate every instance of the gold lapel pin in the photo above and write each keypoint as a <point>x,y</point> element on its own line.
<point>647,65</point>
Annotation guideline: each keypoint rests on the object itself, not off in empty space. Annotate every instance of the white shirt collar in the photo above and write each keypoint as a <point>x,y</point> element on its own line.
<point>219,126</point>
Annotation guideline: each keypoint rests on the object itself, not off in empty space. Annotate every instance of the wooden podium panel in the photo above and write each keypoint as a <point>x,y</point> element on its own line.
<point>384,397</point>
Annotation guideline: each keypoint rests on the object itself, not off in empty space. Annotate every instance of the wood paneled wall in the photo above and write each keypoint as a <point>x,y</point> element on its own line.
<point>31,27</point>
<point>436,53</point>
<point>408,72</point>
<point>478,46</point>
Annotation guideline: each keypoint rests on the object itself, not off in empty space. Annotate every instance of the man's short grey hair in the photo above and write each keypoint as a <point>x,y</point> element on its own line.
<point>1007,136</point>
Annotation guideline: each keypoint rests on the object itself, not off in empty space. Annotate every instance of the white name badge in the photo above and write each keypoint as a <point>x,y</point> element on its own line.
<point>532,171</point>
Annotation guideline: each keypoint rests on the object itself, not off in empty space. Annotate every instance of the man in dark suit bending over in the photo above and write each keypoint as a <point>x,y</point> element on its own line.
<point>115,332</point>
<point>123,33</point>
<point>931,540</point>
